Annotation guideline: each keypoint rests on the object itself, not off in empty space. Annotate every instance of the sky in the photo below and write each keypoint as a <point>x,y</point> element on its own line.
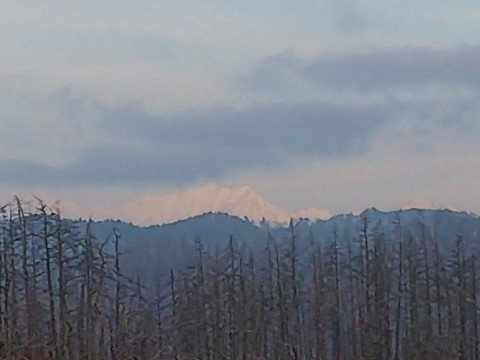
<point>337,104</point>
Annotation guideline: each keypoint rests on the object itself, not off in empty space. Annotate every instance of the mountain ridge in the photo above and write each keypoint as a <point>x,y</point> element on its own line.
<point>241,201</point>
<point>166,246</point>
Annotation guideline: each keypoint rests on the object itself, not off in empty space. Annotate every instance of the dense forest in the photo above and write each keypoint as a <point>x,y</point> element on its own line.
<point>64,294</point>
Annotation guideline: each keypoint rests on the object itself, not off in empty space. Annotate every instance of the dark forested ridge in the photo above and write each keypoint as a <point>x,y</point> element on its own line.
<point>399,285</point>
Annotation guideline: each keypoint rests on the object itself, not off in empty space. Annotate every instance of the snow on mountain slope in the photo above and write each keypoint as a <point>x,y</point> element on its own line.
<point>240,202</point>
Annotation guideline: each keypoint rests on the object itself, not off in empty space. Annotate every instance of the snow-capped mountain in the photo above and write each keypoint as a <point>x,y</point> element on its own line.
<point>242,202</point>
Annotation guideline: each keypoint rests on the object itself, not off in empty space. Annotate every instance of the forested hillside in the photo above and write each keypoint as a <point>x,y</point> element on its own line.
<point>397,285</point>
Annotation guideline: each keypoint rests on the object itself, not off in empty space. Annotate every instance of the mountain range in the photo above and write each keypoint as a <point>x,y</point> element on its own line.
<point>241,202</point>
<point>155,249</point>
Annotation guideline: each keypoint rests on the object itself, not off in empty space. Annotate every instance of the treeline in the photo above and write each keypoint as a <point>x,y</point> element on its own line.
<point>64,295</point>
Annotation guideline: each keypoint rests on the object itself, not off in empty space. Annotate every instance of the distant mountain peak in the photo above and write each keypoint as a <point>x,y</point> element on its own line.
<point>242,201</point>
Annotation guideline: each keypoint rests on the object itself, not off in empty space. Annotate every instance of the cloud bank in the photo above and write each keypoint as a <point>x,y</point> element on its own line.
<point>341,107</point>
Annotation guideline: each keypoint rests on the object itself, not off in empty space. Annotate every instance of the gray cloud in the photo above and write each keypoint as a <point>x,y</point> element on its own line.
<point>208,143</point>
<point>204,144</point>
<point>377,71</point>
<point>299,128</point>
<point>25,172</point>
